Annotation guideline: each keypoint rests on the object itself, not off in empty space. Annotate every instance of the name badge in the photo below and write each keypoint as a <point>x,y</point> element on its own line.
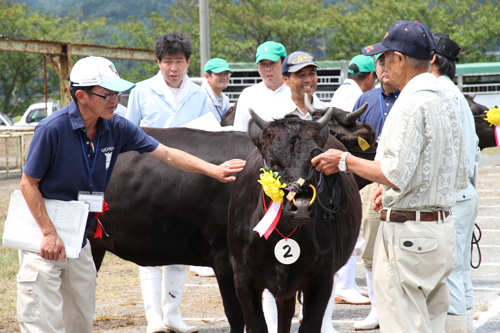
<point>95,200</point>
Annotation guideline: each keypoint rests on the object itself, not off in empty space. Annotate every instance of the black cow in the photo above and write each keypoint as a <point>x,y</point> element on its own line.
<point>484,131</point>
<point>159,215</point>
<point>326,237</point>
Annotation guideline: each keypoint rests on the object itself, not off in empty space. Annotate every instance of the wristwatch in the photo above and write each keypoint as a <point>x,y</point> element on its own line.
<point>342,165</point>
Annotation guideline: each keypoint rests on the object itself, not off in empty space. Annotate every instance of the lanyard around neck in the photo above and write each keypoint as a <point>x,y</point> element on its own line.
<point>216,107</point>
<point>381,106</point>
<point>87,161</point>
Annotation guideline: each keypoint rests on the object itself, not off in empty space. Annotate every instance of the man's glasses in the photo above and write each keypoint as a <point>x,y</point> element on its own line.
<point>109,97</point>
<point>226,73</point>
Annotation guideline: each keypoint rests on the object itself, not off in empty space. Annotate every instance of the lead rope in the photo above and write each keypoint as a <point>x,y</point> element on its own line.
<point>337,201</point>
<point>475,241</point>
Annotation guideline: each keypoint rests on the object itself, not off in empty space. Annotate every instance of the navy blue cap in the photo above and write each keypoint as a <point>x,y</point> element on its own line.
<point>413,39</point>
<point>296,61</point>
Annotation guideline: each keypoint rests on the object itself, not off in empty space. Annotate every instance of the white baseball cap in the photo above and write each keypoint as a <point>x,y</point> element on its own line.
<point>98,71</point>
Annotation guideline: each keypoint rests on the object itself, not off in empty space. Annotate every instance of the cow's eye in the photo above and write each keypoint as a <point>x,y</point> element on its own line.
<point>271,164</point>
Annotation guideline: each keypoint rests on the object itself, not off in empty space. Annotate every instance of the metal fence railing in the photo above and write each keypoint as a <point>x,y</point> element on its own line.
<point>13,149</point>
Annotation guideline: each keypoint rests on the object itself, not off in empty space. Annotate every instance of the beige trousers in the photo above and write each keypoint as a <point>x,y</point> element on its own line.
<point>56,296</point>
<point>370,224</point>
<point>411,264</point>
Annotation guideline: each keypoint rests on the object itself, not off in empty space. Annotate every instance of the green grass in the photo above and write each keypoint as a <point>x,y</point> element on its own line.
<point>9,266</point>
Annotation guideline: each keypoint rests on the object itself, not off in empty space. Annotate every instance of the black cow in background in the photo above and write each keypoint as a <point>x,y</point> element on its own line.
<point>326,229</point>
<point>484,131</point>
<point>228,117</point>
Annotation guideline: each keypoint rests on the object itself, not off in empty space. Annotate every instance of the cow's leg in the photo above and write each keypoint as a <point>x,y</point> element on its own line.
<point>286,310</point>
<point>251,301</point>
<point>97,254</point>
<point>232,308</point>
<point>316,298</point>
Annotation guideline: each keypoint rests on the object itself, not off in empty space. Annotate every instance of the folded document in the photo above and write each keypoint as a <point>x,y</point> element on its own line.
<point>22,232</point>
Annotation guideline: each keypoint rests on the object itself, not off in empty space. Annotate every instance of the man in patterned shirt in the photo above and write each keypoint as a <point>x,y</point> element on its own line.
<point>421,163</point>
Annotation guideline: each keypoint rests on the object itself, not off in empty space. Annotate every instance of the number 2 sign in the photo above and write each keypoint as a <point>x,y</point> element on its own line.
<point>287,251</point>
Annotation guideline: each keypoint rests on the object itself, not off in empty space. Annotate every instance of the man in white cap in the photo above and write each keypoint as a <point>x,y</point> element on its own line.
<point>75,149</point>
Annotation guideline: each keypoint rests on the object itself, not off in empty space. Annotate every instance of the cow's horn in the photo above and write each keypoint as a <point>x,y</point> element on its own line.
<point>309,106</point>
<point>258,120</point>
<point>326,117</point>
<point>353,116</point>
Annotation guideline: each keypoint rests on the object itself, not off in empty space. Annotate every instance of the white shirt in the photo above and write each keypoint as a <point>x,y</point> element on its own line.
<point>153,104</point>
<point>217,105</point>
<point>346,96</point>
<point>268,104</point>
<point>317,104</point>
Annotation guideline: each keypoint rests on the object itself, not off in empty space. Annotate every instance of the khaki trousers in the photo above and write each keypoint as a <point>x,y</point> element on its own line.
<point>411,264</point>
<point>56,296</point>
<point>370,224</point>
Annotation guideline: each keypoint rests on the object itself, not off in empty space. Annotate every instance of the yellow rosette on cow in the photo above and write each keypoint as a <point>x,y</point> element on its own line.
<point>493,116</point>
<point>272,185</point>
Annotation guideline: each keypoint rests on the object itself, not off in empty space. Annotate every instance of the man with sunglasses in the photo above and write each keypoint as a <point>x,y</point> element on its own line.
<point>75,149</point>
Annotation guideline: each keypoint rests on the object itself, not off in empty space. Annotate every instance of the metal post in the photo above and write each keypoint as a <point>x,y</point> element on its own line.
<point>204,35</point>
<point>23,152</point>
<point>7,155</point>
<point>45,83</point>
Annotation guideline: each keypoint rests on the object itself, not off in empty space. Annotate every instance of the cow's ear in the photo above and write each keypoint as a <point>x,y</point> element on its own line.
<point>325,132</point>
<point>255,133</point>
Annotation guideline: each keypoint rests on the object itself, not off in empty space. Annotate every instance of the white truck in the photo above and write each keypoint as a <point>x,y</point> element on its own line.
<point>36,112</point>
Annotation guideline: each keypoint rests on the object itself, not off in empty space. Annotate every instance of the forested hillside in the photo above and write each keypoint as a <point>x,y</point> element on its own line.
<point>330,29</point>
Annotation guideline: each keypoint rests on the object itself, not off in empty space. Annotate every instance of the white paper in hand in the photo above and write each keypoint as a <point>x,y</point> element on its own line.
<point>22,232</point>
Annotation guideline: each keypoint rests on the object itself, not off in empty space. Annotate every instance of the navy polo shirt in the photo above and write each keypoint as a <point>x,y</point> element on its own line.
<point>374,115</point>
<point>56,153</point>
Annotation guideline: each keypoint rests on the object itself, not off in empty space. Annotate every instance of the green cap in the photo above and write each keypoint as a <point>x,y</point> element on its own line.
<point>217,65</point>
<point>365,64</point>
<point>378,56</point>
<point>270,51</point>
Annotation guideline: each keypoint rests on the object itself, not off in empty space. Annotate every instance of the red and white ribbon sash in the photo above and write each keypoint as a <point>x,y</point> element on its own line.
<point>266,226</point>
<point>497,135</point>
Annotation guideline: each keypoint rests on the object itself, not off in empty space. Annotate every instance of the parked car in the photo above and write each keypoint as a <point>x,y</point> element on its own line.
<point>5,121</point>
<point>36,112</point>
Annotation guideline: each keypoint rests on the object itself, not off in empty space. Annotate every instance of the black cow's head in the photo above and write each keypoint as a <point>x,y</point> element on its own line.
<point>287,147</point>
<point>345,125</point>
<point>484,131</point>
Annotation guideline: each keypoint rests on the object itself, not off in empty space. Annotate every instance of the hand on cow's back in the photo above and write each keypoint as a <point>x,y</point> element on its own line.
<point>224,171</point>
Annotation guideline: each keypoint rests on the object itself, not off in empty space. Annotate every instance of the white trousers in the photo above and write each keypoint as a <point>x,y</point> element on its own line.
<point>411,264</point>
<point>459,281</point>
<point>56,296</point>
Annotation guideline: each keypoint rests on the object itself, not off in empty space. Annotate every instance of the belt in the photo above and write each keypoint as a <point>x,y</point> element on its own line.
<point>402,216</point>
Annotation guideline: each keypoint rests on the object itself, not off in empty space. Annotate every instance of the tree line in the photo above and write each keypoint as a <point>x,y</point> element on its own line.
<point>328,29</point>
